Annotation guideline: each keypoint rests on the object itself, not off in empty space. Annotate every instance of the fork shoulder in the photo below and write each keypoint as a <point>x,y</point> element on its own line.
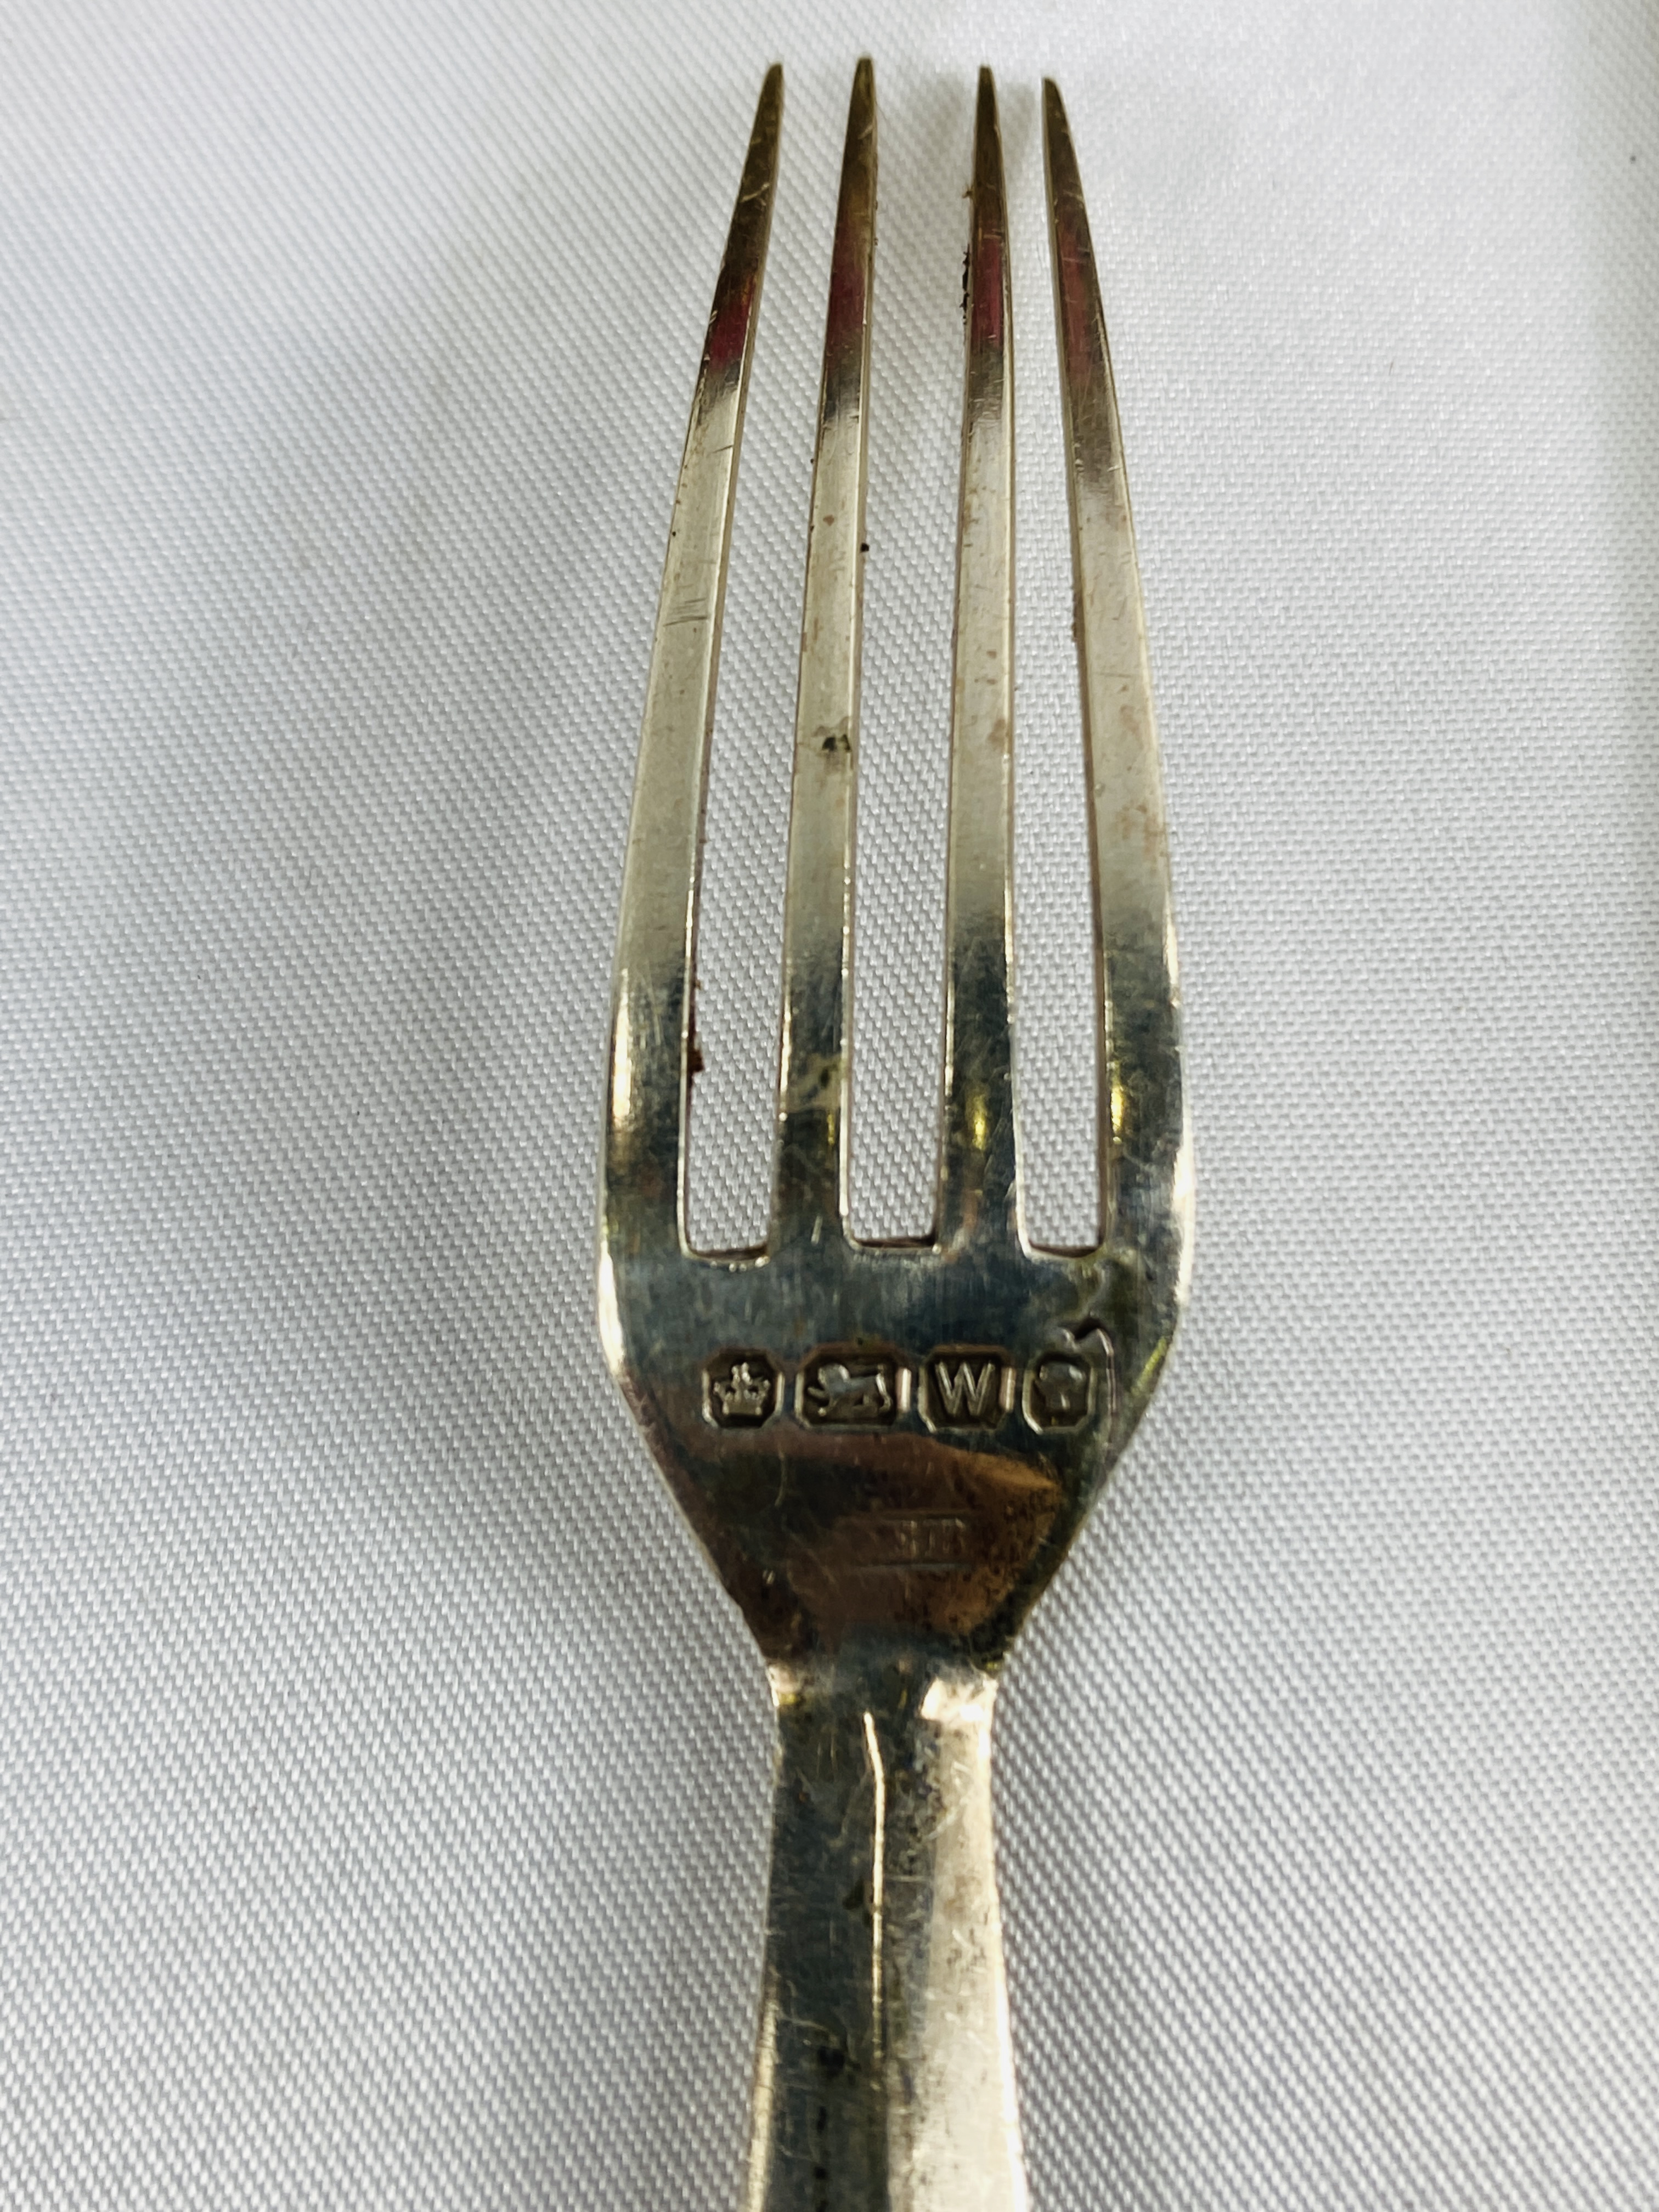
<point>868,1440</point>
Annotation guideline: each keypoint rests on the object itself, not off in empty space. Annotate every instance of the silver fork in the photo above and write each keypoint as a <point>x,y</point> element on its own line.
<point>886,1450</point>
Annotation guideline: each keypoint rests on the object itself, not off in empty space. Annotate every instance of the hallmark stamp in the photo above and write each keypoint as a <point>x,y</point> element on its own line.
<point>740,1389</point>
<point>844,1390</point>
<point>1059,1391</point>
<point>965,1389</point>
<point>930,1542</point>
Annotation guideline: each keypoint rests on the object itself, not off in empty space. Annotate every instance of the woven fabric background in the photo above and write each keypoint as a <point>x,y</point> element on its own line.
<point>383,1777</point>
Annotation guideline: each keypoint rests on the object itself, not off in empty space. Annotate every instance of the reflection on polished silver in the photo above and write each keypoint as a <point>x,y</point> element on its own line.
<point>887,1450</point>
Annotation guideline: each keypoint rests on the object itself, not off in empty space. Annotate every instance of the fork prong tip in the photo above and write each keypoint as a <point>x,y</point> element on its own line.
<point>863,104</point>
<point>769,107</point>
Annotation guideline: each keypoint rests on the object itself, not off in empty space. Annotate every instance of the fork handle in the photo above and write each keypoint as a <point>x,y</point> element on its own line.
<point>884,2073</point>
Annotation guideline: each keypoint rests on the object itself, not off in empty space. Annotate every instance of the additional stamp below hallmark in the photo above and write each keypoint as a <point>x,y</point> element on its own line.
<point>956,1388</point>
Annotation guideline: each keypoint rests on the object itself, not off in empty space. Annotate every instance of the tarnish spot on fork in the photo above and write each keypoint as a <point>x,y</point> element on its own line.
<point>1145,824</point>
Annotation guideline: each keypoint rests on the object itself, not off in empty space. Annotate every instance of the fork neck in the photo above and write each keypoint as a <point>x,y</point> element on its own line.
<point>884,2073</point>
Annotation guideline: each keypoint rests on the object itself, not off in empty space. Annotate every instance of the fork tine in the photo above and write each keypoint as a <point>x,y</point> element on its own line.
<point>656,937</point>
<point>813,1082</point>
<point>1142,1128</point>
<point>978,1164</point>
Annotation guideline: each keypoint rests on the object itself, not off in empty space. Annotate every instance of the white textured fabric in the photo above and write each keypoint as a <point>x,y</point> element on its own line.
<point>383,1778</point>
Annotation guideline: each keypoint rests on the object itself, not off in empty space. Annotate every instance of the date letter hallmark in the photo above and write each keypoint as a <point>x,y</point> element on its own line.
<point>966,1390</point>
<point>1059,1391</point>
<point>845,1390</point>
<point>739,1390</point>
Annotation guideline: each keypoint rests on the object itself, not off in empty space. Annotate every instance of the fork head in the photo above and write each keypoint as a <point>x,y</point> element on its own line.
<point>877,1440</point>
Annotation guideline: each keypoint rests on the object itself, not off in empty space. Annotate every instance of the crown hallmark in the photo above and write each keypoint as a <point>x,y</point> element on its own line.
<point>742,1389</point>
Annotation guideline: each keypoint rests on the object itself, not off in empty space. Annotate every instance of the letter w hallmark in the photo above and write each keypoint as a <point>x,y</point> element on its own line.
<point>965,1389</point>
<point>968,1389</point>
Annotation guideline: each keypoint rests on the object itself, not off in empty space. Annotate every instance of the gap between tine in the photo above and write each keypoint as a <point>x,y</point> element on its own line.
<point>656,935</point>
<point>978,1164</point>
<point>814,1081</point>
<point>1142,1116</point>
